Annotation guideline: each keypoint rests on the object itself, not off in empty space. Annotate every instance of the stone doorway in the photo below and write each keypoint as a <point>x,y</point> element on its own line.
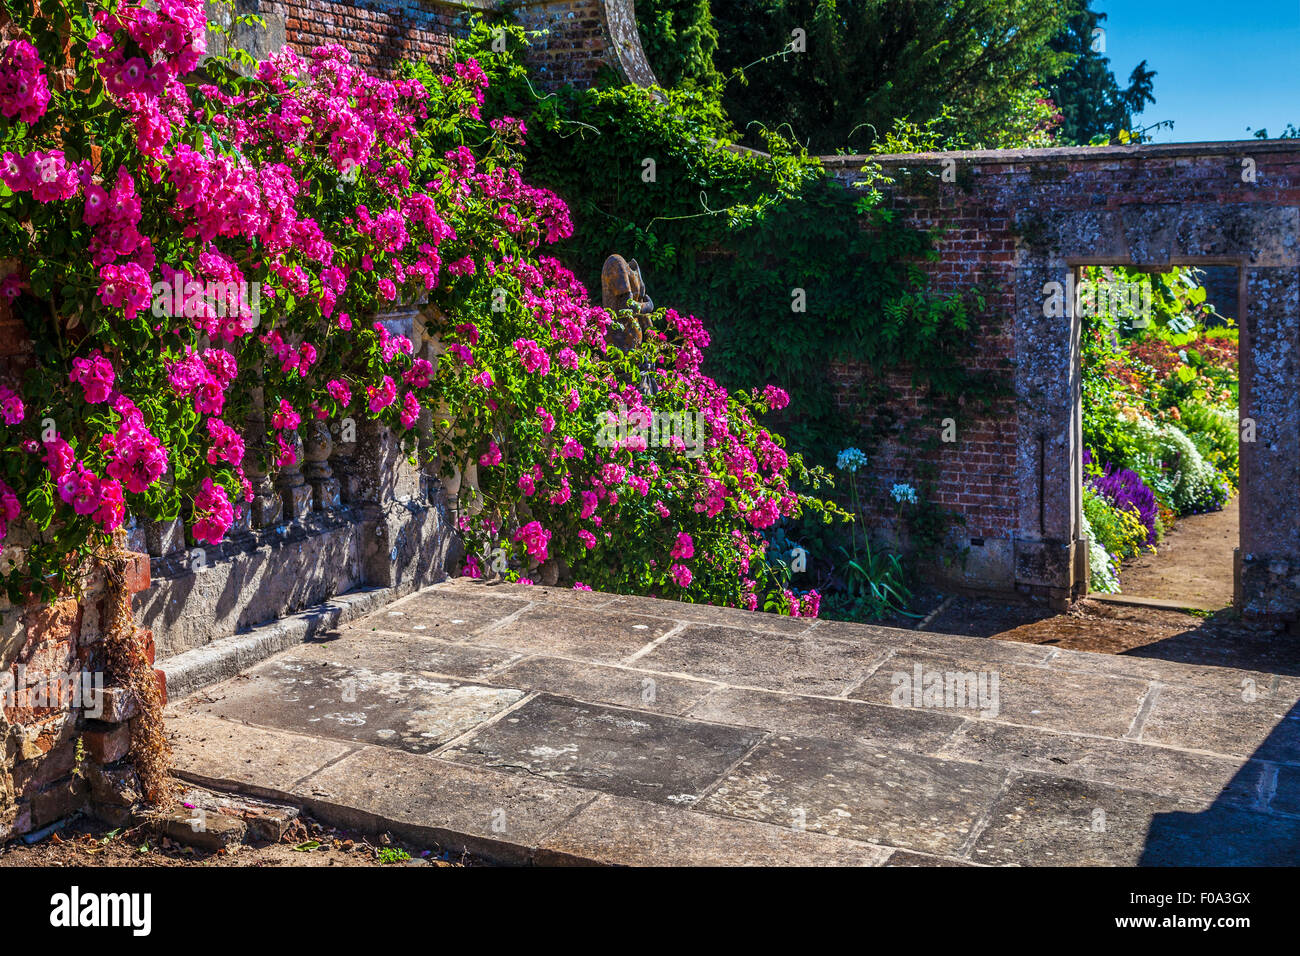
<point>1195,563</point>
<point>1261,242</point>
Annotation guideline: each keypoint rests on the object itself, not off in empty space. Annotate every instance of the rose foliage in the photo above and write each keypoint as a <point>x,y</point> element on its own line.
<point>202,254</point>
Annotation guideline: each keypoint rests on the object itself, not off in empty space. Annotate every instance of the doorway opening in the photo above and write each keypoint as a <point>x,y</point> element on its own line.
<point>1160,427</point>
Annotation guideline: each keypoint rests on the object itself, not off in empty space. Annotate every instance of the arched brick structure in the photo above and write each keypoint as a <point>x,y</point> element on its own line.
<point>1018,219</point>
<point>582,36</point>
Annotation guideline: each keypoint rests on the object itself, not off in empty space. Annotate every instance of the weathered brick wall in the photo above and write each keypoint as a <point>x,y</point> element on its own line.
<point>1144,205</point>
<point>380,33</point>
<point>60,748</point>
<point>583,37</point>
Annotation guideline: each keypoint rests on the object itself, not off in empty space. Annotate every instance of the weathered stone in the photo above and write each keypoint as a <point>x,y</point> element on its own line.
<point>604,684</point>
<point>394,708</point>
<point>115,706</point>
<point>31,775</point>
<point>501,816</point>
<point>705,614</point>
<point>58,801</point>
<point>1037,696</point>
<point>624,832</point>
<point>106,743</point>
<point>770,661</point>
<point>118,785</point>
<point>833,719</point>
<point>202,829</point>
<point>220,753</point>
<point>450,616</point>
<point>272,824</point>
<point>1105,760</point>
<point>571,632</point>
<point>1051,821</point>
<point>1265,728</point>
<point>860,792</point>
<point>628,753</point>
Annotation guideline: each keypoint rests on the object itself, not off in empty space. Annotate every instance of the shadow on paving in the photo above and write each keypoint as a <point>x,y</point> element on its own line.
<point>1228,835</point>
<point>1220,640</point>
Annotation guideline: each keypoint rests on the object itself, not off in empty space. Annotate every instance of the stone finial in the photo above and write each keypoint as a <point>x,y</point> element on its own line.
<point>623,290</point>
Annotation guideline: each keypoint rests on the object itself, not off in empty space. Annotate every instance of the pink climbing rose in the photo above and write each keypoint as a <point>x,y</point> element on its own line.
<point>213,513</point>
<point>94,375</point>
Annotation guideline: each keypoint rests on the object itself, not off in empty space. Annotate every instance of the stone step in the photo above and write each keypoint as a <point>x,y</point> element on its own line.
<point>212,663</point>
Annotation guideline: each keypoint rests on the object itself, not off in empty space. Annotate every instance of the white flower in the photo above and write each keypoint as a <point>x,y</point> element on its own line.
<point>850,460</point>
<point>903,492</point>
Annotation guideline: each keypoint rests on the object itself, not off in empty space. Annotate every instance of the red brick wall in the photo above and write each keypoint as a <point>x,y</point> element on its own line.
<point>379,34</point>
<point>44,650</point>
<point>382,33</point>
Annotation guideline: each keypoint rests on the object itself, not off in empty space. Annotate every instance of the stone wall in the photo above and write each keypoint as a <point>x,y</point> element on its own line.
<point>355,514</point>
<point>1014,220</point>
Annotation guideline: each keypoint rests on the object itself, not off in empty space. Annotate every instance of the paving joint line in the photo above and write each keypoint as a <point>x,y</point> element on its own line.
<point>496,718</point>
<point>1145,706</point>
<point>712,787</point>
<point>880,661</point>
<point>977,829</point>
<point>502,622</point>
<point>632,658</point>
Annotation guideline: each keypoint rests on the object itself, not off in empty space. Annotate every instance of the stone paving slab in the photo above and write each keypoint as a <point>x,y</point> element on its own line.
<point>446,615</point>
<point>531,593</point>
<point>501,816</point>
<point>834,719</point>
<point>614,750</point>
<point>766,660</point>
<point>848,789</point>
<point>229,754</point>
<point>637,833</point>
<point>708,614</point>
<point>902,640</point>
<point>574,632</point>
<point>542,725</point>
<point>1266,728</point>
<point>1119,763</point>
<point>1037,696</point>
<point>386,651</point>
<point>1053,821</point>
<point>605,684</point>
<point>415,712</point>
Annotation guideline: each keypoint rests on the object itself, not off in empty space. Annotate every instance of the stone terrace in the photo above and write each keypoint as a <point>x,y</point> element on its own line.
<point>539,725</point>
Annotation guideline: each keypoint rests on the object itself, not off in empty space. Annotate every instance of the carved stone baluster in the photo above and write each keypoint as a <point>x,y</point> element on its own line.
<point>317,446</point>
<point>265,509</point>
<point>293,487</point>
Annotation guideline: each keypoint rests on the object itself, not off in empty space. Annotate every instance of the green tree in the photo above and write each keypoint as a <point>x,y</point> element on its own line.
<point>1092,104</point>
<point>859,65</point>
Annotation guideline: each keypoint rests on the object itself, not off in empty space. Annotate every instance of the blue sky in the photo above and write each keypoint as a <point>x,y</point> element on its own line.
<point>1220,66</point>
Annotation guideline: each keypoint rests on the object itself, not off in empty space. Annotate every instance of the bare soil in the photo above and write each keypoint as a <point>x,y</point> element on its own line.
<point>85,841</point>
<point>1193,564</point>
<point>1220,639</point>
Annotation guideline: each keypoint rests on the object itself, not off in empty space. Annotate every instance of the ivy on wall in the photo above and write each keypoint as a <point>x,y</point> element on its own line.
<point>788,269</point>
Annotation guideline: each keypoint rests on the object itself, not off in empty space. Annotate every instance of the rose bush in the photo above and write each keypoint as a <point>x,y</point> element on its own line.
<point>201,256</point>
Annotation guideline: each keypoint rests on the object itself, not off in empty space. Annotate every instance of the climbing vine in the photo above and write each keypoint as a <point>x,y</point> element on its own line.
<point>789,270</point>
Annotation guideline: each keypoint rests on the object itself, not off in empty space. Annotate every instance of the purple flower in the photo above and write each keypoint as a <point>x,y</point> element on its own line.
<point>1126,490</point>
